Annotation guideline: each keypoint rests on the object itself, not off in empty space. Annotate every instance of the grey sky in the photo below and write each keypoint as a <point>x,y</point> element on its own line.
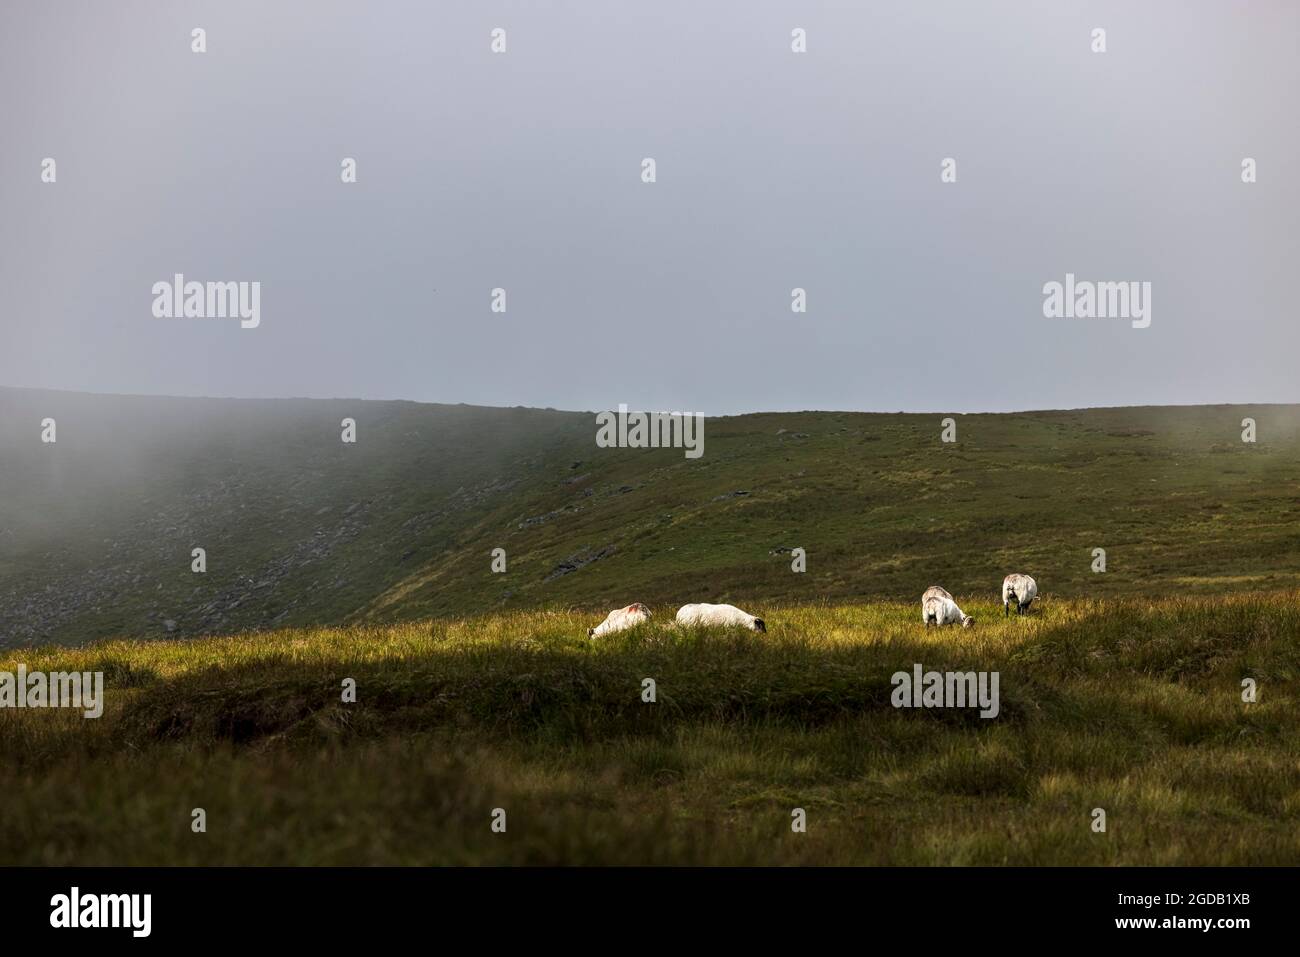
<point>775,170</point>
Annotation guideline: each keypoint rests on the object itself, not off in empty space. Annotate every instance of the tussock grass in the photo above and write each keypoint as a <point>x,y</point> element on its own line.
<point>1125,704</point>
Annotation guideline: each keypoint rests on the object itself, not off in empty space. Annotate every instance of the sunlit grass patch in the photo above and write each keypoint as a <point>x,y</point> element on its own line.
<point>1134,706</point>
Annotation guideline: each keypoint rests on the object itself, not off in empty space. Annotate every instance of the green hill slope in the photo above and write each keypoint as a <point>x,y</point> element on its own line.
<point>96,530</point>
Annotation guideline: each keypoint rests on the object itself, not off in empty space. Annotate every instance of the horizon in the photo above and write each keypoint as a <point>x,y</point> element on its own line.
<point>707,415</point>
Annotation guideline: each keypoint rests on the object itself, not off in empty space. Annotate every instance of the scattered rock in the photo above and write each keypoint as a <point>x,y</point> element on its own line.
<point>579,560</point>
<point>541,519</point>
<point>726,495</point>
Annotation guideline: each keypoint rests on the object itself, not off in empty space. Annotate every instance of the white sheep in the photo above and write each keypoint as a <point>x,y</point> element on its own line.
<point>621,619</point>
<point>938,608</point>
<point>705,614</point>
<point>1020,589</point>
<point>936,591</point>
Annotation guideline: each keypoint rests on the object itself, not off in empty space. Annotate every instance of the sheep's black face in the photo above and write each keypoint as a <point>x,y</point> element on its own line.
<point>590,632</point>
<point>759,625</point>
<point>967,621</point>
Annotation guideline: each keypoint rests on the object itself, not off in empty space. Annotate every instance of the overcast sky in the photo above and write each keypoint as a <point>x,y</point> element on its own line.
<point>775,170</point>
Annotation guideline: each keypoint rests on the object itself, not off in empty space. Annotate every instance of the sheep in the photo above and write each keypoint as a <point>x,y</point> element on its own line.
<point>620,619</point>
<point>938,608</point>
<point>1020,589</point>
<point>936,591</point>
<point>705,614</point>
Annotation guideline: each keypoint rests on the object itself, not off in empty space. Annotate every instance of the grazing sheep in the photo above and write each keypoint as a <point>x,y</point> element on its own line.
<point>1020,589</point>
<point>705,614</point>
<point>936,591</point>
<point>938,608</point>
<point>621,619</point>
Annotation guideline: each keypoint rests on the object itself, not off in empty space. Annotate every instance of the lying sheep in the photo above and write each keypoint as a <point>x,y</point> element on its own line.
<point>938,608</point>
<point>705,614</point>
<point>1020,589</point>
<point>621,619</point>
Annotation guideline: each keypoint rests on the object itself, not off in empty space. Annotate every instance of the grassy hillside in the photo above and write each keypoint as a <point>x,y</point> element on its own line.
<point>478,691</point>
<point>1133,706</point>
<point>300,529</point>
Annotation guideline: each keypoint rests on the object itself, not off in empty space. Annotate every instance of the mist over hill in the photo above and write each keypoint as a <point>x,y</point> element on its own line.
<point>299,528</point>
